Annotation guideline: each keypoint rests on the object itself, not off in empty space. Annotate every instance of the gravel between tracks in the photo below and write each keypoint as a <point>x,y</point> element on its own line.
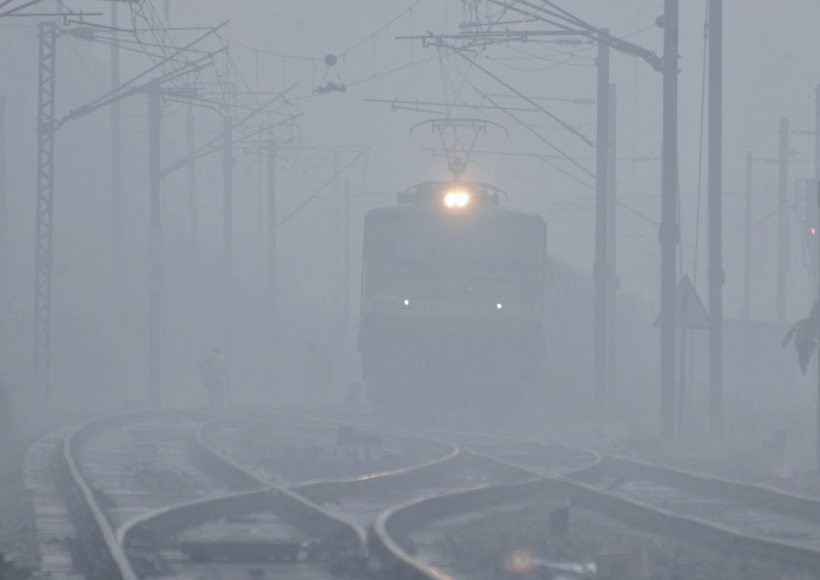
<point>17,532</point>
<point>289,454</point>
<point>477,548</point>
<point>18,535</point>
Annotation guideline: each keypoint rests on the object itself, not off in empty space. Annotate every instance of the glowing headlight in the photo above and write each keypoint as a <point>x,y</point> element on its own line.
<point>456,199</point>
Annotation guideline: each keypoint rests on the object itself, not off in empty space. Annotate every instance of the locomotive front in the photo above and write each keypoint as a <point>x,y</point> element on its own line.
<point>452,293</point>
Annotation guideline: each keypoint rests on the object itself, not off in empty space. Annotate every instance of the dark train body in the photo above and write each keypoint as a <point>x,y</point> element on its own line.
<point>452,309</point>
<point>463,308</point>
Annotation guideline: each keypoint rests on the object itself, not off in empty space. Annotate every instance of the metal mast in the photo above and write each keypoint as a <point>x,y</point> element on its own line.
<point>747,240</point>
<point>45,212</point>
<point>783,221</point>
<point>346,259</point>
<point>4,236</point>
<point>155,241</point>
<point>116,171</point>
<point>601,267</point>
<point>227,197</point>
<point>192,193</point>
<point>815,259</point>
<point>817,448</point>
<point>273,308</point>
<point>612,238</point>
<point>716,276</point>
<point>271,150</point>
<point>669,229</point>
<point>817,134</point>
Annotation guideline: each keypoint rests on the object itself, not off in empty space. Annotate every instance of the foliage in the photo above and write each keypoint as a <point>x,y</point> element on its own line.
<point>805,333</point>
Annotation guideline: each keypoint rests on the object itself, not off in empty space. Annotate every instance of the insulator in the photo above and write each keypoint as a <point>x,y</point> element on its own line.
<point>83,33</point>
<point>568,42</point>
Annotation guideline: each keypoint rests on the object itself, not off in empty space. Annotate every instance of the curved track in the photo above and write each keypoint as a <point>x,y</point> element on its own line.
<point>722,515</point>
<point>245,517</point>
<point>361,499</point>
<point>192,507</point>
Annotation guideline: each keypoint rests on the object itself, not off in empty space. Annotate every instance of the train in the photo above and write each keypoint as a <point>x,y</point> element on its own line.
<point>462,307</point>
<point>452,297</point>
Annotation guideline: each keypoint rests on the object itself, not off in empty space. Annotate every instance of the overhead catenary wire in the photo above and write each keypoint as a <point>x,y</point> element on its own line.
<point>318,191</point>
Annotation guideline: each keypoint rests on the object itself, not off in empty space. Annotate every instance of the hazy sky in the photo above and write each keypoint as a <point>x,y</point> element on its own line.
<point>770,50</point>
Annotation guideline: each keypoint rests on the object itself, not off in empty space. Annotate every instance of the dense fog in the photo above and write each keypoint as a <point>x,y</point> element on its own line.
<point>331,141</point>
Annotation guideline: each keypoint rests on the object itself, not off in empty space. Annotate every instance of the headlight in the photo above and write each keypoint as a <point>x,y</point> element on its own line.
<point>456,199</point>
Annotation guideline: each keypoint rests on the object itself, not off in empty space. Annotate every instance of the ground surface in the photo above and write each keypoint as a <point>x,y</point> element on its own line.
<point>488,548</point>
<point>17,534</point>
<point>17,531</point>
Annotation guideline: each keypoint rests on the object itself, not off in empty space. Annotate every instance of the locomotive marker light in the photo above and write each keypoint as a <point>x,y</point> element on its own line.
<point>456,199</point>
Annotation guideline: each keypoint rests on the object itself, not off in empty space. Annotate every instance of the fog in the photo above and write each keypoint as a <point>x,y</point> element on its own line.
<point>99,343</point>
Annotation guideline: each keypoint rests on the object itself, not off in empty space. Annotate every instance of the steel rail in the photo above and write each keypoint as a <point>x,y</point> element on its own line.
<point>630,511</point>
<point>71,446</point>
<point>793,504</point>
<point>300,501</point>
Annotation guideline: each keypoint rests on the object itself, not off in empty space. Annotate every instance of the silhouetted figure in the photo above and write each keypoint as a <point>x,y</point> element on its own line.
<point>214,375</point>
<point>324,373</point>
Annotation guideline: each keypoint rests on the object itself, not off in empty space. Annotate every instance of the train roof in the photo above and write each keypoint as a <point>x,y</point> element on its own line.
<point>455,196</point>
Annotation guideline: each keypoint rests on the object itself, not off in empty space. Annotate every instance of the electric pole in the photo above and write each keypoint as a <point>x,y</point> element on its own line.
<point>669,229</point>
<point>817,134</point>
<point>346,260</point>
<point>116,168</point>
<point>716,276</point>
<point>155,252</point>
<point>192,193</point>
<point>227,197</point>
<point>816,260</point>
<point>273,307</point>
<point>612,238</point>
<point>47,124</point>
<point>817,448</point>
<point>335,231</point>
<point>601,267</point>
<point>116,198</point>
<point>4,236</point>
<point>783,221</point>
<point>271,151</point>
<point>747,240</point>
<point>45,213</point>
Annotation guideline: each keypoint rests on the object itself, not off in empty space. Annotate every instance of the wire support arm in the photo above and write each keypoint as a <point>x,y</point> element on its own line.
<point>113,95</point>
<point>210,146</point>
<point>436,41</point>
<point>322,188</point>
<point>586,29</point>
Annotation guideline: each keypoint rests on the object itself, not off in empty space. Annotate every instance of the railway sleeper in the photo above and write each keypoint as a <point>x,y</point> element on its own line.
<point>228,551</point>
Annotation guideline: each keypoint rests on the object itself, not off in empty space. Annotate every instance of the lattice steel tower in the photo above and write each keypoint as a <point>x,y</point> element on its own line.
<point>46,124</point>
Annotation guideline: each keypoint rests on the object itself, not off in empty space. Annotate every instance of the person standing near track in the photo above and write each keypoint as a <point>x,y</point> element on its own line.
<point>213,372</point>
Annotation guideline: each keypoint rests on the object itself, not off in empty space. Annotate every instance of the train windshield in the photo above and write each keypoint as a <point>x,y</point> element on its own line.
<point>433,257</point>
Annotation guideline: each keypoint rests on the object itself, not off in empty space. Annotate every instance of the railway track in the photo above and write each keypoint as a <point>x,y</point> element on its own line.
<point>718,517</point>
<point>185,495</point>
<point>144,494</point>
<point>141,494</point>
